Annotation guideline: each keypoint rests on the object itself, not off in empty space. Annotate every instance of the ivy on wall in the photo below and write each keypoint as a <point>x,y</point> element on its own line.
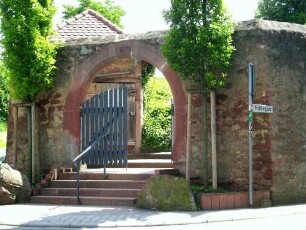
<point>28,54</point>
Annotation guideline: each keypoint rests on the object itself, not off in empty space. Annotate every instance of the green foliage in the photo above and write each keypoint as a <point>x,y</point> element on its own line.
<point>3,129</point>
<point>147,71</point>
<point>107,9</point>
<point>28,55</point>
<point>199,43</point>
<point>3,94</point>
<point>282,10</point>
<point>209,189</point>
<point>156,130</point>
<point>3,126</point>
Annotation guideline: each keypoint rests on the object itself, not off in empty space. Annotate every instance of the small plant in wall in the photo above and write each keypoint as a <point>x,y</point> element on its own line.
<point>28,55</point>
<point>199,47</point>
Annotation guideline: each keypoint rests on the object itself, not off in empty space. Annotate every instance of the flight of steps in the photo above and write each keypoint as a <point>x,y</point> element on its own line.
<point>119,187</point>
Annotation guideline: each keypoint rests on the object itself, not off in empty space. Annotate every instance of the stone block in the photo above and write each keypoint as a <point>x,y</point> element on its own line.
<point>166,193</point>
<point>14,187</point>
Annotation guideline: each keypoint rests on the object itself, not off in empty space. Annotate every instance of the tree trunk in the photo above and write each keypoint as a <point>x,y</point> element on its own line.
<point>213,139</point>
<point>205,146</point>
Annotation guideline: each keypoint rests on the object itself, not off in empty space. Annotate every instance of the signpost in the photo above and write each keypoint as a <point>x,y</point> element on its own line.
<point>253,108</point>
<point>251,81</point>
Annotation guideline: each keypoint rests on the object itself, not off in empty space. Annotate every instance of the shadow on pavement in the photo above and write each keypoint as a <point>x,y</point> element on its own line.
<point>95,217</point>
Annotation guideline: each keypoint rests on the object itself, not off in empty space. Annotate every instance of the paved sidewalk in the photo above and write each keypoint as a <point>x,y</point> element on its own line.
<point>54,216</point>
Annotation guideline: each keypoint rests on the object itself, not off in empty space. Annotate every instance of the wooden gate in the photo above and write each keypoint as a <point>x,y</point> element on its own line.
<point>105,113</point>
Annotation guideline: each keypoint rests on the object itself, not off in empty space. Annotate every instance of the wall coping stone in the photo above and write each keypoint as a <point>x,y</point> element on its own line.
<point>158,36</point>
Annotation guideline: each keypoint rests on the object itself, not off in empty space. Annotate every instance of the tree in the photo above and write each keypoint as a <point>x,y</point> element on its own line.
<point>3,94</point>
<point>28,55</point>
<point>282,10</point>
<point>199,47</point>
<point>107,9</point>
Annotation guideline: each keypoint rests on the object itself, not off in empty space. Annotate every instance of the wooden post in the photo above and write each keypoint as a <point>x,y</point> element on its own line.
<point>213,139</point>
<point>205,145</point>
<point>33,142</point>
<point>30,156</point>
<point>188,137</point>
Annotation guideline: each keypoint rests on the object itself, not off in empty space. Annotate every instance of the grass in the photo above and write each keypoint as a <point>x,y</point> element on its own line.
<point>3,129</point>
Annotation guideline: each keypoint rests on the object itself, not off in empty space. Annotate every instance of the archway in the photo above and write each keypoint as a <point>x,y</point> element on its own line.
<point>85,72</point>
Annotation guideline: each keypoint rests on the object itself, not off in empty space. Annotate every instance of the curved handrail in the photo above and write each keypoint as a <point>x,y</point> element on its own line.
<point>76,162</point>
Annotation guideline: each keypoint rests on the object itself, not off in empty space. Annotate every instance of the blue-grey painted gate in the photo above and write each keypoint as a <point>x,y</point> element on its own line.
<point>105,113</point>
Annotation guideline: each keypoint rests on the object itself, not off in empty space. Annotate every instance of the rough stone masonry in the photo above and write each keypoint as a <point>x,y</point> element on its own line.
<point>278,51</point>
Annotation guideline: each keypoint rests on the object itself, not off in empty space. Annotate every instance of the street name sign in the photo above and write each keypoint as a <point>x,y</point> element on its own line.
<point>257,108</point>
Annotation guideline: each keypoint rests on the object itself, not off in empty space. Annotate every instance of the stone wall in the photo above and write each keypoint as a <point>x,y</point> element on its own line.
<point>278,52</point>
<point>286,90</point>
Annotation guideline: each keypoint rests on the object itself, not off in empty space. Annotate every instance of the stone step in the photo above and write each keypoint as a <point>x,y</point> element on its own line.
<point>160,155</point>
<point>142,163</point>
<point>150,163</point>
<point>72,200</point>
<point>96,175</point>
<point>91,192</point>
<point>122,184</point>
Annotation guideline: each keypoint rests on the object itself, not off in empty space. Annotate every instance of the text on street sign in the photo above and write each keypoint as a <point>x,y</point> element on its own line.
<point>257,108</point>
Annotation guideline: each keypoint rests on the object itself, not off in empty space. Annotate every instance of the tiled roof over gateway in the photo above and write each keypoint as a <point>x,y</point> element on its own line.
<point>87,24</point>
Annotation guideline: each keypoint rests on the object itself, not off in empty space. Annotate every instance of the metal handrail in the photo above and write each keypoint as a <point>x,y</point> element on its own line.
<point>76,162</point>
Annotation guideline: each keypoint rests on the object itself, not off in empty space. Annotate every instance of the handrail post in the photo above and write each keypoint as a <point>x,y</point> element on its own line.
<point>77,165</point>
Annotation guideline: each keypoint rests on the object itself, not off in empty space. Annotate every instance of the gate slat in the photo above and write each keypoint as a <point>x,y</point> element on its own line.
<point>120,125</point>
<point>115,127</point>
<point>110,117</point>
<point>96,130</point>
<point>92,129</point>
<point>105,127</point>
<point>87,128</point>
<point>125,125</point>
<point>101,130</point>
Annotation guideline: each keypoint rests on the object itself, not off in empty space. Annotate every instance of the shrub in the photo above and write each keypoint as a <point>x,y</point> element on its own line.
<point>3,126</point>
<point>28,54</point>
<point>156,130</point>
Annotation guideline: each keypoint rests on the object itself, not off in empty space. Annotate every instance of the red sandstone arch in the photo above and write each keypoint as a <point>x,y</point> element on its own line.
<point>85,72</point>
